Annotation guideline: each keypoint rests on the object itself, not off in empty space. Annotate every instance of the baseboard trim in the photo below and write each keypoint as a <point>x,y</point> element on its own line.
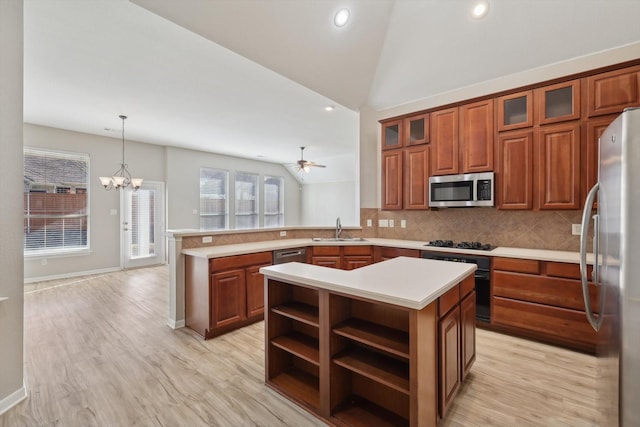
<point>13,399</point>
<point>176,324</point>
<point>73,274</point>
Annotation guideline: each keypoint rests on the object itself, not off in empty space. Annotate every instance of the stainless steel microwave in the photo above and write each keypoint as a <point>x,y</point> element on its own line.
<point>472,189</point>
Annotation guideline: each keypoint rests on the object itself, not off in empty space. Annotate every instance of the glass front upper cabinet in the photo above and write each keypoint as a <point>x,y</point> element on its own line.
<point>515,111</point>
<point>416,129</point>
<point>557,103</point>
<point>392,134</point>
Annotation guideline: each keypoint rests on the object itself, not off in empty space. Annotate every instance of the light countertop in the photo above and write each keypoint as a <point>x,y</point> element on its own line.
<point>270,245</point>
<point>408,282</point>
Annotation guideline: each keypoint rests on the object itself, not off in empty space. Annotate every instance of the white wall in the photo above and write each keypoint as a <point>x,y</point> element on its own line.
<point>144,160</point>
<point>322,203</point>
<point>183,192</point>
<point>11,280</point>
<point>369,125</point>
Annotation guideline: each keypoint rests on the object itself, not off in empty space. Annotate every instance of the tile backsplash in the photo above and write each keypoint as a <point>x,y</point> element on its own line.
<point>523,229</point>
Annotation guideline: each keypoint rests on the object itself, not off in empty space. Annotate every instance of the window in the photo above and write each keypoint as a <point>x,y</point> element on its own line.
<point>56,202</point>
<point>213,199</point>
<point>142,221</point>
<point>273,201</point>
<point>246,200</point>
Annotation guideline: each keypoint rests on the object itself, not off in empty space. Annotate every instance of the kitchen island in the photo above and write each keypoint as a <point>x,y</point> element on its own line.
<point>385,344</point>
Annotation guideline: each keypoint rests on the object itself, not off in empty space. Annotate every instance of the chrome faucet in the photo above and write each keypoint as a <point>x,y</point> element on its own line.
<point>338,228</point>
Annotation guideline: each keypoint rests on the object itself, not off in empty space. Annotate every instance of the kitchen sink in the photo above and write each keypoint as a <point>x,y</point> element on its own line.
<point>339,239</point>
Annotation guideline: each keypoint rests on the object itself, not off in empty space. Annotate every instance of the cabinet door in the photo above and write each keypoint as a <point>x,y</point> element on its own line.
<point>444,139</point>
<point>227,297</point>
<point>353,262</point>
<point>476,139</point>
<point>557,103</point>
<point>392,179</point>
<point>255,290</point>
<point>610,93</point>
<point>559,166</point>
<point>515,176</point>
<point>468,333</point>
<point>595,128</point>
<point>327,261</point>
<point>392,134</point>
<point>515,111</point>
<point>416,178</point>
<point>416,130</point>
<point>449,361</point>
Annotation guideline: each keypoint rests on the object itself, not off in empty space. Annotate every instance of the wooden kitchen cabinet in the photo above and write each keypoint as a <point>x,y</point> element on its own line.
<point>594,128</point>
<point>557,103</point>
<point>384,253</point>
<point>476,136</point>
<point>612,92</point>
<point>392,134</point>
<point>444,140</point>
<point>515,111</point>
<point>392,182</point>
<point>416,178</point>
<point>223,294</point>
<point>416,130</point>
<point>558,184</point>
<point>342,257</point>
<point>456,337</point>
<point>515,170</point>
<point>542,300</point>
<point>228,298</point>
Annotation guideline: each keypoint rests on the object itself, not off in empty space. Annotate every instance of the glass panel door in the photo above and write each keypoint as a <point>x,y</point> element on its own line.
<point>143,225</point>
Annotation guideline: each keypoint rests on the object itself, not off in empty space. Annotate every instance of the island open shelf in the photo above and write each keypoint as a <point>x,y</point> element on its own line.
<point>356,357</point>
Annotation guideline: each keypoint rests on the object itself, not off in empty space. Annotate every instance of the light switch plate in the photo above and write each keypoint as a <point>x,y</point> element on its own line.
<point>113,212</point>
<point>403,223</point>
<point>207,239</point>
<point>383,223</point>
<point>195,211</point>
<point>575,229</point>
<point>369,223</point>
<point>283,233</point>
<point>392,223</point>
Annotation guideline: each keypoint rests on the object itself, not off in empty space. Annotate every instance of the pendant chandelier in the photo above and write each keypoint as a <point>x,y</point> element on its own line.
<point>122,177</point>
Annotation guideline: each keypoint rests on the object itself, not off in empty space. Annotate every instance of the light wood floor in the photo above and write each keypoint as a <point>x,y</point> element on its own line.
<point>98,352</point>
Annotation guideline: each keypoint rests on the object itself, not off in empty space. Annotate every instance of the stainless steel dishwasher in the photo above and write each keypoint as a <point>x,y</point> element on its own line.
<point>290,255</point>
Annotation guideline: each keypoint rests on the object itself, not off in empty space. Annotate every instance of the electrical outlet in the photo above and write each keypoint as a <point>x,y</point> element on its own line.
<point>392,223</point>
<point>207,239</point>
<point>383,223</point>
<point>575,229</point>
<point>403,223</point>
<point>369,223</point>
<point>283,233</point>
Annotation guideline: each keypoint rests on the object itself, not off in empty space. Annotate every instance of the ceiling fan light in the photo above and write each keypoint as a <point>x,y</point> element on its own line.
<point>306,168</point>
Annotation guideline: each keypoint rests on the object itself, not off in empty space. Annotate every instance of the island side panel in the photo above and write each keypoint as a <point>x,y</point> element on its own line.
<point>423,345</point>
<point>197,294</point>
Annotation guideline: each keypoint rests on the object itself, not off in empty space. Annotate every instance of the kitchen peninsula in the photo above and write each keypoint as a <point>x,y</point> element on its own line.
<point>385,344</point>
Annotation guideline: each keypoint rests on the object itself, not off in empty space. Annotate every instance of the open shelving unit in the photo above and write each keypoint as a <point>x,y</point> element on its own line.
<point>351,361</point>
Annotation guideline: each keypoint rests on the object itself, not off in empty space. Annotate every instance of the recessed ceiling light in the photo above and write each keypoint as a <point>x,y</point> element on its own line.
<point>480,9</point>
<point>341,18</point>
<point>329,108</point>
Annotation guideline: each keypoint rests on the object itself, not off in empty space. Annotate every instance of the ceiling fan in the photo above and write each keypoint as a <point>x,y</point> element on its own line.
<point>305,165</point>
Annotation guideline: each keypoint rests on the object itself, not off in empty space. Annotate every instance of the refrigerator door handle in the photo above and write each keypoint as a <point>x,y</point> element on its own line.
<point>594,321</point>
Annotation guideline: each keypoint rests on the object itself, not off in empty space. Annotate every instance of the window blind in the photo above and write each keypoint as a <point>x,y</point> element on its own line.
<point>273,201</point>
<point>213,199</point>
<point>246,200</point>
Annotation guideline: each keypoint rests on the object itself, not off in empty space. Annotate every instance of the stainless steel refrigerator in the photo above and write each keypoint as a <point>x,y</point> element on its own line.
<point>616,271</point>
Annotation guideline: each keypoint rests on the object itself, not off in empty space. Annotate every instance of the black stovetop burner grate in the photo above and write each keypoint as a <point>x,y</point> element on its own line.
<point>460,245</point>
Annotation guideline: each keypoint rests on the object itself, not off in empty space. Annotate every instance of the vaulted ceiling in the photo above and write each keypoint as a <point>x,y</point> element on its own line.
<point>251,78</point>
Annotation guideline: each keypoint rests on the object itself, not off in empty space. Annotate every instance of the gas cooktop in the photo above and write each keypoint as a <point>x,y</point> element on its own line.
<point>460,245</point>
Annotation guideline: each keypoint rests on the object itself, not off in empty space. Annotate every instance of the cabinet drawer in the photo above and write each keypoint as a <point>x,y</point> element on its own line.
<point>326,250</point>
<point>239,261</point>
<point>566,324</point>
<point>553,291</point>
<point>357,250</point>
<point>517,265</point>
<point>564,269</point>
<point>386,253</point>
<point>467,285</point>
<point>447,301</point>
